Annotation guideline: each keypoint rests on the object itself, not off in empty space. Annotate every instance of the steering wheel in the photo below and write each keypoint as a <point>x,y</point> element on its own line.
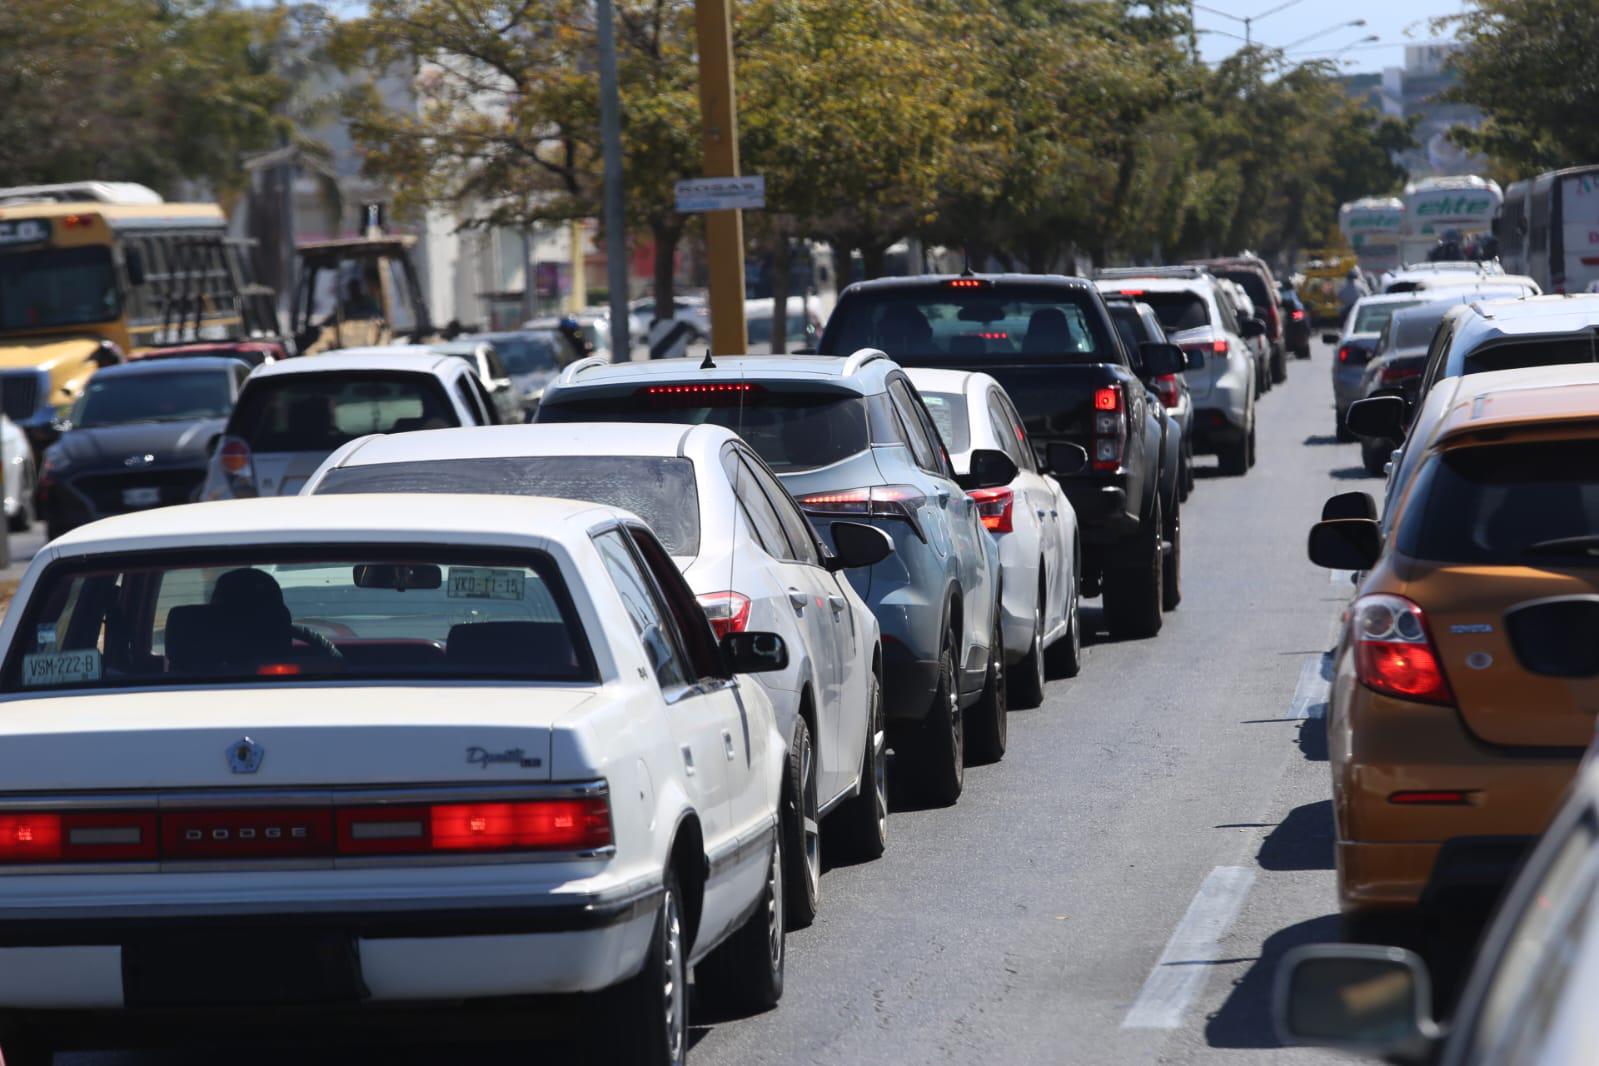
<point>320,646</point>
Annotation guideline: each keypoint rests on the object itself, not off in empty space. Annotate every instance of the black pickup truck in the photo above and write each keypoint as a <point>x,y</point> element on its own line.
<point>1050,342</point>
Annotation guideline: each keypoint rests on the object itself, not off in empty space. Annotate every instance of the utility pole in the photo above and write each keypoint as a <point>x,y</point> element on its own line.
<point>724,230</point>
<point>611,149</point>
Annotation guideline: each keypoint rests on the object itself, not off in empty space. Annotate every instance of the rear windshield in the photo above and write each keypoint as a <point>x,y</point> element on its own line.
<point>790,430</point>
<point>287,615</point>
<point>1514,355</point>
<point>1253,284</point>
<point>1371,318</point>
<point>1512,503</point>
<point>661,490</point>
<point>949,415</point>
<point>1178,311</point>
<point>321,412</point>
<point>181,396</point>
<point>977,322</point>
<point>527,353</point>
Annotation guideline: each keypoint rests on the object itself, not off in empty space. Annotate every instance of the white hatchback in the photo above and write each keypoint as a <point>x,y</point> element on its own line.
<point>747,551</point>
<point>405,748</point>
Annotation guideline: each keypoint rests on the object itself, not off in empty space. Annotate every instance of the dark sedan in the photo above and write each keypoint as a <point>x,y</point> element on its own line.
<point>1296,323</point>
<point>138,438</point>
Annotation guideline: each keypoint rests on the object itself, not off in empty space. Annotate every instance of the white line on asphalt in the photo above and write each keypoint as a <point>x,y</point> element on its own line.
<point>1339,577</point>
<point>1310,695</point>
<point>1195,946</point>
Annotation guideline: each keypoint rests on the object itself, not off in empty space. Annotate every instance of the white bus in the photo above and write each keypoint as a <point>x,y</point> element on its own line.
<point>1548,229</point>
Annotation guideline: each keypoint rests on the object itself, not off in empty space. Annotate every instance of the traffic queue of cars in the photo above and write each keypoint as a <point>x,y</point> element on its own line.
<point>1463,687</point>
<point>893,539</point>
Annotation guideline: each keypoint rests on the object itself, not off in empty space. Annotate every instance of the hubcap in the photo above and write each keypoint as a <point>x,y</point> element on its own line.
<point>996,659</point>
<point>1038,641</point>
<point>808,816</point>
<point>674,981</point>
<point>879,764</point>
<point>957,727</point>
<point>774,907</point>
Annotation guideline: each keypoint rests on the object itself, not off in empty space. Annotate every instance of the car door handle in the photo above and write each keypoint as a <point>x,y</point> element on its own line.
<point>727,745</point>
<point>942,495</point>
<point>836,602</point>
<point>1042,512</point>
<point>797,599</point>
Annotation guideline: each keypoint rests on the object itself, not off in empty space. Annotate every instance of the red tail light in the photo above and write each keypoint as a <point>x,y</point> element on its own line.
<point>994,507</point>
<point>872,501</point>
<point>1394,654</point>
<point>562,825</point>
<point>1165,386</point>
<point>234,456</point>
<point>95,836</point>
<point>1110,429</point>
<point>1436,797</point>
<point>728,612</point>
<point>1297,315</point>
<point>1349,353</point>
<point>705,394</point>
<point>1392,375</point>
<point>1219,347</point>
<point>967,283</point>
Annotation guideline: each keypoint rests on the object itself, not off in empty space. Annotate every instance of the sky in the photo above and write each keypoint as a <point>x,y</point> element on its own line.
<point>1396,22</point>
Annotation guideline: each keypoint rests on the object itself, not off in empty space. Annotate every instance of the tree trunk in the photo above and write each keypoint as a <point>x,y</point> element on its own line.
<point>666,238</point>
<point>872,260</point>
<point>780,259</point>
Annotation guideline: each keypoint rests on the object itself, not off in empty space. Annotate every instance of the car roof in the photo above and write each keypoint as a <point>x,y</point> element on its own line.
<point>922,281</point>
<point>401,517</point>
<point>414,360</point>
<point>819,368</point>
<point>1522,399</point>
<point>547,438</point>
<point>1117,286</point>
<point>137,367</point>
<point>1484,321</point>
<point>927,379</point>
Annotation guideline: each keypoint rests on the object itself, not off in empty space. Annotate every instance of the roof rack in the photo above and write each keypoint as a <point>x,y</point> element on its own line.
<point>861,357</point>
<point>574,369</point>
<point>1185,270</point>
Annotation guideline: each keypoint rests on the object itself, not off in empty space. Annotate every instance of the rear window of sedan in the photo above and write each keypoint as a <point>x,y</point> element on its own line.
<point>1371,318</point>
<point>1507,504</point>
<point>1541,351</point>
<point>320,412</point>
<point>1178,311</point>
<point>661,490</point>
<point>943,319</point>
<point>297,614</point>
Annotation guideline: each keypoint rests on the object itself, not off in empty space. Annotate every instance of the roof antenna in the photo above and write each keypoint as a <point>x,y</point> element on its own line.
<point>709,363</point>
<point>966,265</point>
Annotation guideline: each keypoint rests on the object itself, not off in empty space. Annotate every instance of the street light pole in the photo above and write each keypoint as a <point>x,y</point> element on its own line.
<point>724,230</point>
<point>611,150</point>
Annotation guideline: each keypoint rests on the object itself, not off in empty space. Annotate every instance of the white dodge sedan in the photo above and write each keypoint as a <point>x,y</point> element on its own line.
<point>403,748</point>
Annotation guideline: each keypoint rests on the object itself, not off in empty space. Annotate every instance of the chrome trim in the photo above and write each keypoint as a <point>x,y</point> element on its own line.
<point>329,862</point>
<point>340,796</point>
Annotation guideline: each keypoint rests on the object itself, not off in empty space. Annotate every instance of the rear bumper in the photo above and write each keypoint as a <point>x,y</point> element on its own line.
<point>1104,514</point>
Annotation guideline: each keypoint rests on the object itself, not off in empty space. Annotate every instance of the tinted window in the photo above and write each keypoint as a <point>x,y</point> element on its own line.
<point>1514,355</point>
<point>57,287</point>
<point>320,412</point>
<point>1178,311</point>
<point>949,415</point>
<point>661,490</point>
<point>526,353</point>
<point>789,430</point>
<point>757,509</point>
<point>1371,318</point>
<point>1506,504</point>
<point>1413,329</point>
<point>1254,286</point>
<point>110,400</point>
<point>796,527</point>
<point>1129,325</point>
<point>644,608</point>
<point>923,447</point>
<point>993,323</point>
<point>278,616</point>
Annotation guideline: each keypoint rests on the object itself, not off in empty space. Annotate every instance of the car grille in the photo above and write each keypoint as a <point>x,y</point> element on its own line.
<point>104,491</point>
<point>19,394</point>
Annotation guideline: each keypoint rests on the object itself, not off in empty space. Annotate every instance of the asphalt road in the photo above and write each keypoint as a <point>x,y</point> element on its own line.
<point>1120,887</point>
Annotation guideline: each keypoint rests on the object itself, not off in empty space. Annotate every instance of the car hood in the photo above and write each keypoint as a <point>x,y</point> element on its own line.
<point>43,353</point>
<point>169,443</point>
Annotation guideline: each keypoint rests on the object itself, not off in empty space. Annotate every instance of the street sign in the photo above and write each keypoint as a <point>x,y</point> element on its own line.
<point>720,194</point>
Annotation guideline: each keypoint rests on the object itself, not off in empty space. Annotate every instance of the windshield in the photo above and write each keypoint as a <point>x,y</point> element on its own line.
<point>790,430</point>
<point>284,615</point>
<point>1371,318</point>
<point>1543,351</point>
<point>662,491</point>
<point>320,412</point>
<point>949,415</point>
<point>57,287</point>
<point>1178,311</point>
<point>527,353</point>
<point>1489,505</point>
<point>978,323</point>
<point>110,400</point>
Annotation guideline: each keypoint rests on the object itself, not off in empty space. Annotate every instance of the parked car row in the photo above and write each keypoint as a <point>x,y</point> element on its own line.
<point>1464,683</point>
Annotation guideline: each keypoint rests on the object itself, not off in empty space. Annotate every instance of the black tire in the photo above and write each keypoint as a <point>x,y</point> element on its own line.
<point>1340,430</point>
<point>1302,353</point>
<point>1171,584</point>
<point>22,521</point>
<point>941,751</point>
<point>1374,456</point>
<point>801,829</point>
<point>1233,456</point>
<point>1279,368</point>
<point>1026,678</point>
<point>1133,585</point>
<point>1064,658</point>
<point>990,716</point>
<point>1185,472</point>
<point>745,973</point>
<point>1249,453</point>
<point>645,1018</point>
<point>860,825</point>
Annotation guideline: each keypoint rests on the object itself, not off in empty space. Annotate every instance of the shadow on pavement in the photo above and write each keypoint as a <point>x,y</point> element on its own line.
<point>1302,841</point>
<point>1244,1020</point>
<point>1317,441</point>
<point>1313,739</point>
<point>1352,473</point>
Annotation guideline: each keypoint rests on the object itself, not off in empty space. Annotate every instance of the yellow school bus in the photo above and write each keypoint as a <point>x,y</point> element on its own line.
<point>92,272</point>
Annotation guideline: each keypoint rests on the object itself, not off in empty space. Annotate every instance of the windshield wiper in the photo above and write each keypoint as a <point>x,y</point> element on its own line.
<point>1583,544</point>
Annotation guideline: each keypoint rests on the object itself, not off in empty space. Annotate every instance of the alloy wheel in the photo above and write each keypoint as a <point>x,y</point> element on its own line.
<point>674,984</point>
<point>809,817</point>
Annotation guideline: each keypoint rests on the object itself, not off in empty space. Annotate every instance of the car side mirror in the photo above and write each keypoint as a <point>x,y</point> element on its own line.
<point>1251,327</point>
<point>1345,543</point>
<point>1363,998</point>
<point>1161,358</point>
<point>754,653</point>
<point>1065,458</point>
<point>856,544</point>
<point>1329,337</point>
<point>989,469</point>
<point>107,354</point>
<point>1193,359</point>
<point>1377,416</point>
<point>1349,505</point>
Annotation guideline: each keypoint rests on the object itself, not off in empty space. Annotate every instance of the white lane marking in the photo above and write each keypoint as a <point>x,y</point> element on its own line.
<point>1310,695</point>
<point>1339,577</point>
<point>1195,945</point>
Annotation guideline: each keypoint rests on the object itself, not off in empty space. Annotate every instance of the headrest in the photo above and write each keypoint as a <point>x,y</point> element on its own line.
<point>542,648</point>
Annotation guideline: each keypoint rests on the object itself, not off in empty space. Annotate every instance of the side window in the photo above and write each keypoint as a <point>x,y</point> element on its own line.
<point>801,539</point>
<point>1002,430</point>
<point>694,631</point>
<point>649,620</point>
<point>1225,312</point>
<point>1442,341</point>
<point>762,516</point>
<point>922,443</point>
<point>1024,447</point>
<point>483,398</point>
<point>470,401</point>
